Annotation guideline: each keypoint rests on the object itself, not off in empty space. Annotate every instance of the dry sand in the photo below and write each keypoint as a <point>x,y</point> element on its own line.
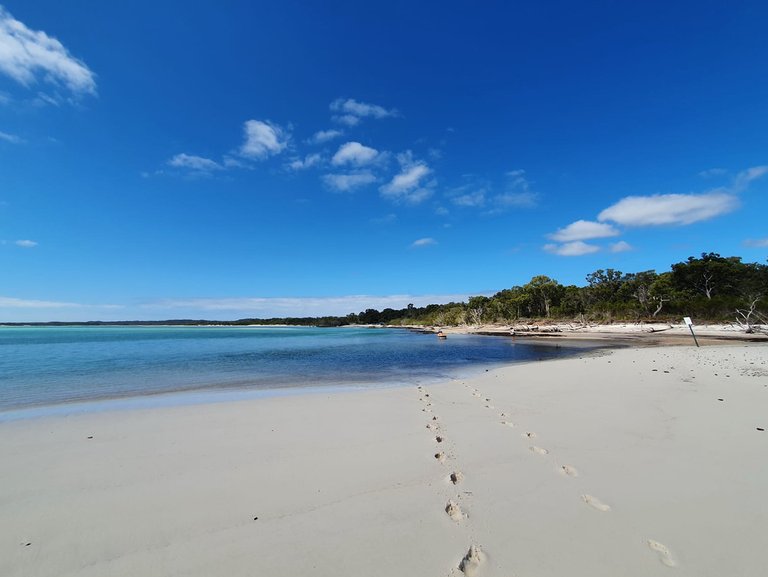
<point>637,462</point>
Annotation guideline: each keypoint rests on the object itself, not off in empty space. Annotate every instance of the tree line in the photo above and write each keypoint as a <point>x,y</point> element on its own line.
<point>708,288</point>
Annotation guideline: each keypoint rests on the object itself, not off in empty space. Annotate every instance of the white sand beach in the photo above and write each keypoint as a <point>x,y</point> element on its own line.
<point>634,462</point>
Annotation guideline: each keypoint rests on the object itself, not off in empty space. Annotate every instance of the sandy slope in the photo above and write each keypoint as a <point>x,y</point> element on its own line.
<point>639,462</point>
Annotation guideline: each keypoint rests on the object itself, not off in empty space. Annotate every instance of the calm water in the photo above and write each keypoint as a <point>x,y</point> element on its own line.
<point>43,366</point>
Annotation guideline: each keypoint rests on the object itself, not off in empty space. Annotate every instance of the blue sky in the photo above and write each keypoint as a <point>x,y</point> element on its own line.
<point>168,160</point>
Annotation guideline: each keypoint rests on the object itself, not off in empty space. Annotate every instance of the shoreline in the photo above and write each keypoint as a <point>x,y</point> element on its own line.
<point>637,461</point>
<point>635,334</point>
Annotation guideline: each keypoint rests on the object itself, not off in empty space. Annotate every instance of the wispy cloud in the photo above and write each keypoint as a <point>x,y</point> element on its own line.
<point>26,243</point>
<point>472,198</point>
<point>323,136</point>
<point>583,230</point>
<point>308,161</point>
<point>621,246</point>
<point>12,138</point>
<point>756,242</point>
<point>294,306</point>
<point>17,303</point>
<point>263,139</point>
<point>478,192</point>
<point>411,184</point>
<point>746,177</point>
<point>194,163</point>
<point>712,172</point>
<point>31,56</point>
<point>669,209</point>
<point>575,248</point>
<point>350,112</point>
<point>423,242</point>
<point>348,182</point>
<point>355,154</point>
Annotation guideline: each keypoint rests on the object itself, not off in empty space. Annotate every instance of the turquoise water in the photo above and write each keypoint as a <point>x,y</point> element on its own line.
<point>47,366</point>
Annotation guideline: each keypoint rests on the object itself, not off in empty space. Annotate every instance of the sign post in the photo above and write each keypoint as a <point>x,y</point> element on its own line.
<point>689,322</point>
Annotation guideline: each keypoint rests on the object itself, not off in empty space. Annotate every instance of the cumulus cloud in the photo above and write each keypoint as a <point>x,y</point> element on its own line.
<point>12,138</point>
<point>31,56</point>
<point>348,182</point>
<point>583,230</point>
<point>354,153</point>
<point>26,243</point>
<point>756,242</point>
<point>669,209</point>
<point>263,139</point>
<point>323,136</point>
<point>194,163</point>
<point>307,162</point>
<point>575,248</point>
<point>621,246</point>
<point>411,184</point>
<point>350,112</point>
<point>422,242</point>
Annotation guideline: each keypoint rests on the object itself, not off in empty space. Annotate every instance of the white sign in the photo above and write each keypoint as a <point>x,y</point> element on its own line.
<point>688,321</point>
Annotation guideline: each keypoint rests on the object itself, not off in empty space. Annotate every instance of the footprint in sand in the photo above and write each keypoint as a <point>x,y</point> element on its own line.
<point>596,503</point>
<point>529,435</point>
<point>664,555</point>
<point>489,407</point>
<point>433,426</point>
<point>454,511</point>
<point>440,457</point>
<point>456,477</point>
<point>538,450</point>
<point>507,423</point>
<point>569,470</point>
<point>438,439</point>
<point>472,562</point>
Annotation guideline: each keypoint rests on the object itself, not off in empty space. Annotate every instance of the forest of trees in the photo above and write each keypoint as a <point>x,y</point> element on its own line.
<point>709,288</point>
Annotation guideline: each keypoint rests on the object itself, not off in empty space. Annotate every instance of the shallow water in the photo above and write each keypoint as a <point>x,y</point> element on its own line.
<point>44,366</point>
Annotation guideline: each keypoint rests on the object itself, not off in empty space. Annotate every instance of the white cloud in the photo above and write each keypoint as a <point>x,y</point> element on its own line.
<point>14,303</point>
<point>470,199</point>
<point>26,243</point>
<point>355,154</point>
<point>194,163</point>
<point>669,209</point>
<point>621,246</point>
<point>583,230</point>
<point>422,242</point>
<point>756,242</point>
<point>745,178</point>
<point>348,182</point>
<point>515,200</point>
<point>294,306</point>
<point>12,138</point>
<point>575,248</point>
<point>323,136</point>
<point>263,139</point>
<point>410,184</point>
<point>30,56</point>
<point>349,111</point>
<point>307,162</point>
<point>712,172</point>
